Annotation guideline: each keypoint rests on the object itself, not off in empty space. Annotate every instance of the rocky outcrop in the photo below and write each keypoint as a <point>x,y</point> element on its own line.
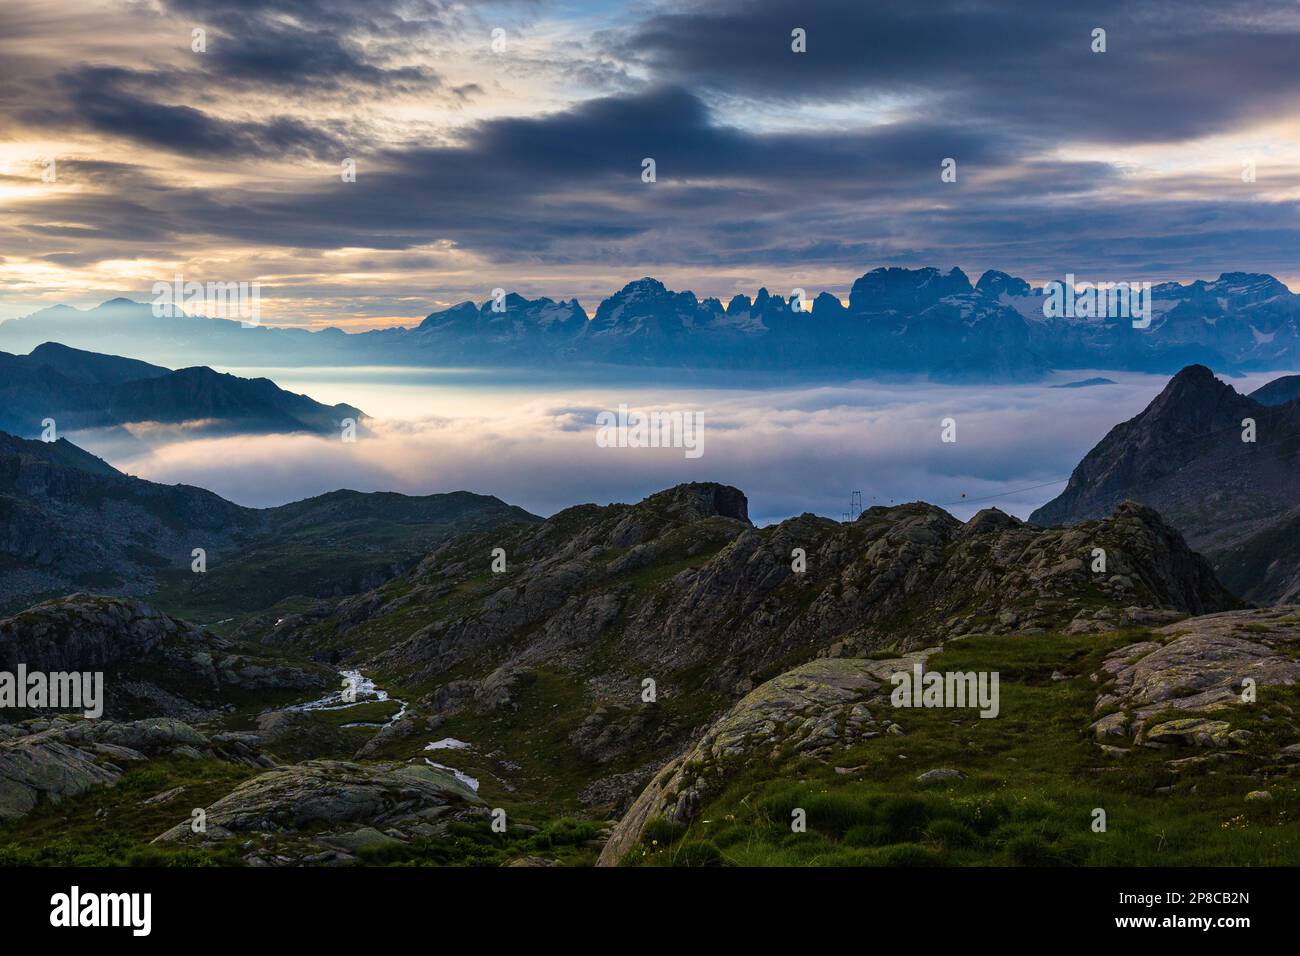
<point>153,664</point>
<point>812,709</point>
<point>42,760</point>
<point>323,811</point>
<point>1198,667</point>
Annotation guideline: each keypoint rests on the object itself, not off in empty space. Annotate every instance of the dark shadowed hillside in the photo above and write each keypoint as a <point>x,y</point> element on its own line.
<point>83,390</point>
<point>1185,457</point>
<point>72,522</point>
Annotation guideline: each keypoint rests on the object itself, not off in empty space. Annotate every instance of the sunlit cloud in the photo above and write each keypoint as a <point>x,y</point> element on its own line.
<point>790,450</point>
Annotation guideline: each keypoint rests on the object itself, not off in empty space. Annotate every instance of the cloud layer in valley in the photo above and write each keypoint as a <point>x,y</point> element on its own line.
<point>790,450</point>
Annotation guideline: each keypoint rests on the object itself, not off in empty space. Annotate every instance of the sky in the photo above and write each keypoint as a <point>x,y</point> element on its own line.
<point>501,144</point>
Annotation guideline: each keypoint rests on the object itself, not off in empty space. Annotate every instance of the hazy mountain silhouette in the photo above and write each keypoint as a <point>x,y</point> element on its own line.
<point>82,390</point>
<point>897,321</point>
<point>73,522</point>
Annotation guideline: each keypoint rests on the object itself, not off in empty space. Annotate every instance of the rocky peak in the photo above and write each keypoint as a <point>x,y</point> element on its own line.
<point>990,521</point>
<point>461,312</point>
<point>1246,287</point>
<point>738,304</point>
<point>701,499</point>
<point>994,283</point>
<point>1196,399</point>
<point>647,298</point>
<point>827,305</point>
<point>642,288</point>
<point>882,289</point>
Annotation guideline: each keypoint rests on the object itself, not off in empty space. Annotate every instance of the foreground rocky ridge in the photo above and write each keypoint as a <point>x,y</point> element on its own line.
<point>683,591</point>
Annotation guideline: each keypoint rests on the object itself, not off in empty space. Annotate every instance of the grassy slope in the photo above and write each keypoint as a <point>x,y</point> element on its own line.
<point>1034,778</point>
<point>112,826</point>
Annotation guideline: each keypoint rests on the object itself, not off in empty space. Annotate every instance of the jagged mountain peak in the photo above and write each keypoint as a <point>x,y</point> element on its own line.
<point>994,283</point>
<point>1195,398</point>
<point>646,285</point>
<point>1251,286</point>
<point>883,288</point>
<point>739,303</point>
<point>1188,456</point>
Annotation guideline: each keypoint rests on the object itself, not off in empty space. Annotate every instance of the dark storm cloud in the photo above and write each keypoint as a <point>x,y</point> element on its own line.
<point>566,189</point>
<point>750,175</point>
<point>1171,70</point>
<point>517,187</point>
<point>317,44</point>
<point>113,100</point>
<point>315,47</point>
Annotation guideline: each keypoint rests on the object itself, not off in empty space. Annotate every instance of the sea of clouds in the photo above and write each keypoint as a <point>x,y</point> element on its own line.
<point>790,450</point>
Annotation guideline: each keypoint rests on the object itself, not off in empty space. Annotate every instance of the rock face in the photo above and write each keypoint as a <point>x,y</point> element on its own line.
<point>153,663</point>
<point>1197,666</point>
<point>316,807</point>
<point>817,706</point>
<point>1236,502</point>
<point>51,760</point>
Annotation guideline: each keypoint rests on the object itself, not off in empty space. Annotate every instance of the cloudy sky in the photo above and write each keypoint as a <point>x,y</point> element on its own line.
<point>519,165</point>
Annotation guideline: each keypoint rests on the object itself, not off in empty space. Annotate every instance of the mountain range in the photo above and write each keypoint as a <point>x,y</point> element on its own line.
<point>896,322</point>
<point>86,390</point>
<point>1236,501</point>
